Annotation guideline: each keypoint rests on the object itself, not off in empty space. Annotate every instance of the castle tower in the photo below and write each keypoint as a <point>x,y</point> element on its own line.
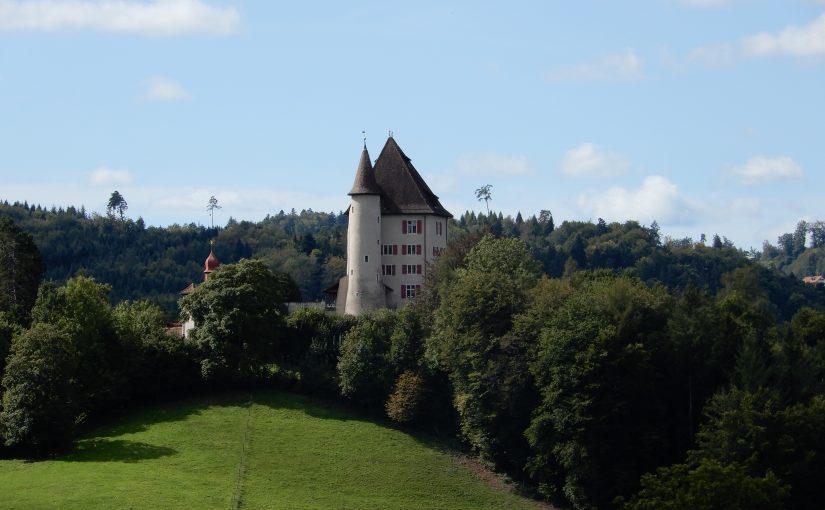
<point>397,227</point>
<point>364,289</point>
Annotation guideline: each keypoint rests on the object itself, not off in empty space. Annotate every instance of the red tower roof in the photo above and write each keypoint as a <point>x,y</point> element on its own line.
<point>211,263</point>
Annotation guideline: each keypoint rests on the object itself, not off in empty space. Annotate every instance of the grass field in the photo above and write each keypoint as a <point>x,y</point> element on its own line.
<point>277,450</point>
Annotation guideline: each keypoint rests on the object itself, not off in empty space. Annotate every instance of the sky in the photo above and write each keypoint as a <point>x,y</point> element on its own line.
<point>706,116</point>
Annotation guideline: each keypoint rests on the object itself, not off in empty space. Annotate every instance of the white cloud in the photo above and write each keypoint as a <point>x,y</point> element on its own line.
<point>588,160</point>
<point>715,55</point>
<point>164,89</point>
<point>491,164</point>
<point>750,206</point>
<point>245,203</point>
<point>156,18</point>
<point>624,66</point>
<point>761,169</point>
<point>794,41</point>
<point>441,183</point>
<point>108,176</point>
<point>707,3</point>
<point>657,199</point>
<point>805,41</point>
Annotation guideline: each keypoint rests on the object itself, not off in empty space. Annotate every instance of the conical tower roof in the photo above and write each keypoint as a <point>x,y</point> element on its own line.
<point>365,177</point>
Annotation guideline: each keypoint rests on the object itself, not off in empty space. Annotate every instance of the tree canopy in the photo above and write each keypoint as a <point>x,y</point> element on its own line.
<point>240,315</point>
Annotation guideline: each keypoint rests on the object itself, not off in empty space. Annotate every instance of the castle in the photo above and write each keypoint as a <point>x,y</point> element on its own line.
<point>396,228</point>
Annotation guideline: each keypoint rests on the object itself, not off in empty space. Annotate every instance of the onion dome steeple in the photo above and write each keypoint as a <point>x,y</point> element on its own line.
<point>211,263</point>
<point>365,177</point>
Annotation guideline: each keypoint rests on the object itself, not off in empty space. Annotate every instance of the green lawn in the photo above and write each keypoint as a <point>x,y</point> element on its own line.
<point>280,451</point>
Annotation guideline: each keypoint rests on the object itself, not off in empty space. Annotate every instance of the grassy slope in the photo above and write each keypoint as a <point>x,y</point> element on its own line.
<point>291,452</point>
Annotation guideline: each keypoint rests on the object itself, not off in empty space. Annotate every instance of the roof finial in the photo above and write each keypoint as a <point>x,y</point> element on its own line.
<point>364,132</point>
<point>211,244</point>
<point>390,133</point>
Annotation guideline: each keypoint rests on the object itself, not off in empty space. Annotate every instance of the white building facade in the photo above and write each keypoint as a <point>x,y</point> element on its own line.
<point>397,227</point>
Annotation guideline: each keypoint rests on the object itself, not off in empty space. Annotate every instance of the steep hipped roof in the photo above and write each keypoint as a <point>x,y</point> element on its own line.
<point>365,177</point>
<point>403,191</point>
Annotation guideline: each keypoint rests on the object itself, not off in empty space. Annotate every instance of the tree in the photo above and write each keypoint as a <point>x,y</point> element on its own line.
<point>39,408</point>
<point>817,231</point>
<point>473,343</point>
<point>117,204</point>
<point>483,193</point>
<point>213,204</point>
<point>800,237</point>
<point>786,242</point>
<point>239,316</point>
<point>82,311</point>
<point>602,421</point>
<point>546,221</point>
<point>21,269</point>
<point>708,485</point>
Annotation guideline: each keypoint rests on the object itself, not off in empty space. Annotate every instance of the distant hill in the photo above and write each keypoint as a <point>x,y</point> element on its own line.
<point>156,263</point>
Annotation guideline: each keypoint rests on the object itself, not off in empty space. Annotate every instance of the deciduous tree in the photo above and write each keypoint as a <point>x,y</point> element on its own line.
<point>239,315</point>
<point>39,407</point>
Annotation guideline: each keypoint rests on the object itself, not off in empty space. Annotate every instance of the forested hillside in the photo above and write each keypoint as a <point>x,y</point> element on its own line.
<point>155,263</point>
<point>141,262</point>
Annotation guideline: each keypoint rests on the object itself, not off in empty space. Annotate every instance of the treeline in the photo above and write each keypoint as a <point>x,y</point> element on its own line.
<point>800,253</point>
<point>156,263</point>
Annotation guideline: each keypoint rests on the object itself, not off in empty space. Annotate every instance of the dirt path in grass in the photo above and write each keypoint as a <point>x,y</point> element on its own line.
<point>241,473</point>
<point>495,480</point>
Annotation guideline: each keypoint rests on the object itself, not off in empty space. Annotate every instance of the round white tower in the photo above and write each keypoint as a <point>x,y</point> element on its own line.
<point>365,290</point>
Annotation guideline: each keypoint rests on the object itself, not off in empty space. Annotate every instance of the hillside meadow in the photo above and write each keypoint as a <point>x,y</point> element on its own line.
<point>264,450</point>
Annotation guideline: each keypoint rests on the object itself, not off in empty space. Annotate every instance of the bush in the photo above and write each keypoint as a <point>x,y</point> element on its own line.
<point>408,397</point>
<point>363,369</point>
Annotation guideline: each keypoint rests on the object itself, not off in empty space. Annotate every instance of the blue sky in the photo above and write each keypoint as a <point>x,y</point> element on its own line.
<point>707,116</point>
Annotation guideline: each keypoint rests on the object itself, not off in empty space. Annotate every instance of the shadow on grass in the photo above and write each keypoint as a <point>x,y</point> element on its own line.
<point>133,418</point>
<point>117,450</point>
<point>316,407</point>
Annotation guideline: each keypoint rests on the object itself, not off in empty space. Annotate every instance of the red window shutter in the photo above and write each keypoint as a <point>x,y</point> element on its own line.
<point>403,292</point>
<point>403,226</point>
<point>403,268</point>
<point>418,249</point>
<point>420,228</point>
<point>418,268</point>
<point>403,249</point>
<point>395,249</point>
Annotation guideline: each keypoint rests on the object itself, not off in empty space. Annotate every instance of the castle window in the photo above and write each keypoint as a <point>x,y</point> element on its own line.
<point>389,249</point>
<point>388,270</point>
<point>412,226</point>
<point>410,249</point>
<point>409,291</point>
<point>439,228</point>
<point>366,258</point>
